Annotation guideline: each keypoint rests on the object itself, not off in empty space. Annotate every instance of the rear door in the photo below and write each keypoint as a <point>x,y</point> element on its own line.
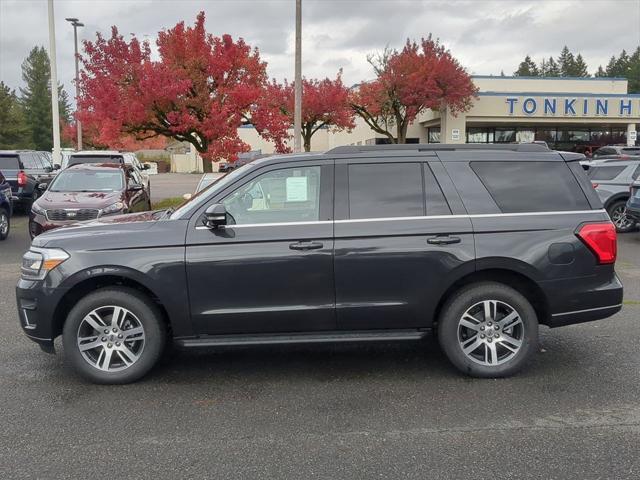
<point>397,242</point>
<point>10,166</point>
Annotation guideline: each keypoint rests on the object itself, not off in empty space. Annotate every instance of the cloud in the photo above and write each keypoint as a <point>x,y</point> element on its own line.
<point>486,36</point>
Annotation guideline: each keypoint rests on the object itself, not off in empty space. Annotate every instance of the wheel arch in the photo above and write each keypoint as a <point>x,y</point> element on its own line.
<point>515,278</point>
<point>84,282</point>
<point>618,197</point>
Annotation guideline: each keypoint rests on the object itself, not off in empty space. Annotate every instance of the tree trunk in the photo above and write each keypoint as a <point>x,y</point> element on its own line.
<point>307,141</point>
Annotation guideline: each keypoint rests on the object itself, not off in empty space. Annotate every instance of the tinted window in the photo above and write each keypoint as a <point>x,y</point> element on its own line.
<point>287,195</point>
<point>636,174</point>
<point>631,151</point>
<point>380,190</point>
<point>531,186</point>
<point>31,160</point>
<point>87,181</point>
<point>436,203</point>
<point>76,159</point>
<point>9,163</point>
<point>605,151</point>
<point>605,173</point>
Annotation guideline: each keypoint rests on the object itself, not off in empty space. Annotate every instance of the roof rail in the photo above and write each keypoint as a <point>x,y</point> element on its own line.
<point>430,147</point>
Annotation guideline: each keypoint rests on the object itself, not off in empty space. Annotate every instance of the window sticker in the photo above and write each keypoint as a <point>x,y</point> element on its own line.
<point>297,189</point>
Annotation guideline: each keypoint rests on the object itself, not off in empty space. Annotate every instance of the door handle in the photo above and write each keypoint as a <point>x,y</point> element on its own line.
<point>306,245</point>
<point>443,240</point>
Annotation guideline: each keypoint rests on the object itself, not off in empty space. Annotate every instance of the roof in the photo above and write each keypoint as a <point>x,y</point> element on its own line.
<point>429,147</point>
<point>516,77</point>
<point>88,153</point>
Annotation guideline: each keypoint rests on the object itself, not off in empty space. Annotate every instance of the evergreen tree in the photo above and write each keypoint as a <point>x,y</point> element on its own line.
<point>580,67</point>
<point>14,132</point>
<point>36,98</point>
<point>622,65</point>
<point>566,62</point>
<point>601,72</point>
<point>527,68</point>
<point>611,67</point>
<point>634,72</point>
<point>552,68</point>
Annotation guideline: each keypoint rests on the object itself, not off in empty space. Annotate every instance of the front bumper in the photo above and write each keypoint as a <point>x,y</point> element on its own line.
<point>37,311</point>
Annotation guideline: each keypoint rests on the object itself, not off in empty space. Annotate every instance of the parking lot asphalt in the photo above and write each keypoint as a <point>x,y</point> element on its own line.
<point>167,185</point>
<point>347,411</point>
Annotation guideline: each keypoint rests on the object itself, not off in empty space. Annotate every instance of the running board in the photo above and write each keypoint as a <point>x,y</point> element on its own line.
<point>292,338</point>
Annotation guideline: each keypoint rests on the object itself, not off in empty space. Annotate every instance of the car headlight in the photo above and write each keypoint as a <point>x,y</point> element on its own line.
<point>38,262</point>
<point>115,208</point>
<point>38,209</point>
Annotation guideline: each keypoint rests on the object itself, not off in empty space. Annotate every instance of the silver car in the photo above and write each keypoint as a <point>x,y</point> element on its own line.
<point>612,180</point>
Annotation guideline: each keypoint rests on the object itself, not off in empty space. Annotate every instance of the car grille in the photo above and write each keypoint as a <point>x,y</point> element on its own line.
<point>73,214</point>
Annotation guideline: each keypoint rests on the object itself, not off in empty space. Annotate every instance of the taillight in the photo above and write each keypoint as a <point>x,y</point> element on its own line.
<point>22,179</point>
<point>600,238</point>
<point>595,185</point>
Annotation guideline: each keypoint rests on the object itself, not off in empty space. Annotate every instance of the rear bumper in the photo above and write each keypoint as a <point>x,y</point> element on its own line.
<point>582,300</point>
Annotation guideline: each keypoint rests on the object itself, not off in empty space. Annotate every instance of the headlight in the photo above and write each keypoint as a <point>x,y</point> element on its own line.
<point>116,207</point>
<point>37,262</point>
<point>38,209</point>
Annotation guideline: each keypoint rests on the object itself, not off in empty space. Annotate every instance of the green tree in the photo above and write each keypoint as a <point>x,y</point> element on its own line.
<point>580,68</point>
<point>527,68</point>
<point>601,72</point>
<point>566,62</point>
<point>14,132</point>
<point>611,67</point>
<point>36,98</point>
<point>634,72</point>
<point>621,68</point>
<point>551,68</point>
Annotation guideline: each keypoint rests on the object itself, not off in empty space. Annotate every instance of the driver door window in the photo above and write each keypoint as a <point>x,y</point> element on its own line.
<point>280,196</point>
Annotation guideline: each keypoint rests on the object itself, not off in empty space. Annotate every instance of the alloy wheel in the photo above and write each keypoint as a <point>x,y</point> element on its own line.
<point>490,332</point>
<point>4,224</point>
<point>111,338</point>
<point>619,217</point>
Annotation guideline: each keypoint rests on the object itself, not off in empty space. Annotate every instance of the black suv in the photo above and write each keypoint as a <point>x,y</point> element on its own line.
<point>25,170</point>
<point>479,243</point>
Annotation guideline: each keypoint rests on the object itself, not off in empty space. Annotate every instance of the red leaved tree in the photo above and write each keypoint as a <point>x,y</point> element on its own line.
<point>199,91</point>
<point>325,104</point>
<point>420,77</point>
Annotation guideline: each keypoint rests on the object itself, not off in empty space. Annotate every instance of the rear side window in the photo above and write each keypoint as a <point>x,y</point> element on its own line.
<point>605,151</point>
<point>380,190</point>
<point>31,161</point>
<point>605,173</point>
<point>531,186</point>
<point>631,151</point>
<point>77,159</point>
<point>9,162</point>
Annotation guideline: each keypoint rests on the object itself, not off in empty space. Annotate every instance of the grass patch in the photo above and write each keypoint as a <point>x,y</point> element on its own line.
<point>167,203</point>
<point>631,302</point>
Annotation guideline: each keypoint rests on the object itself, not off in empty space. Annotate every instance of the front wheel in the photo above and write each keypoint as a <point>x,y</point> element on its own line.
<point>488,330</point>
<point>5,224</point>
<point>618,213</point>
<point>114,335</point>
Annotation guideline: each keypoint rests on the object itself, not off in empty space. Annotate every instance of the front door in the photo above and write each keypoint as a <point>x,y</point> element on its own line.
<point>270,269</point>
<point>397,244</point>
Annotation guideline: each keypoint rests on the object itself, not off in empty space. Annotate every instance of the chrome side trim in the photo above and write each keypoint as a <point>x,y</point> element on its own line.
<point>426,217</point>
<point>586,310</point>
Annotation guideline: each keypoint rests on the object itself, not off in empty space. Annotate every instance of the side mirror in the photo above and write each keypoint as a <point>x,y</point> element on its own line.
<point>56,166</point>
<point>42,186</point>
<point>135,187</point>
<point>215,216</point>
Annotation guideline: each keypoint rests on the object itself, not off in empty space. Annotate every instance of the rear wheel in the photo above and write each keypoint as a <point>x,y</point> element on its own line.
<point>5,224</point>
<point>618,213</point>
<point>114,335</point>
<point>488,330</point>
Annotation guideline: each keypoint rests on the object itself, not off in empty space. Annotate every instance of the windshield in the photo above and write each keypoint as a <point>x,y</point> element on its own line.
<point>189,205</point>
<point>87,181</point>
<point>78,159</point>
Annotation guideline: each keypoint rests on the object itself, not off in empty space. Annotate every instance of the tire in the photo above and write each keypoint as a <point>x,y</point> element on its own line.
<point>127,361</point>
<point>618,217</point>
<point>500,356</point>
<point>5,224</point>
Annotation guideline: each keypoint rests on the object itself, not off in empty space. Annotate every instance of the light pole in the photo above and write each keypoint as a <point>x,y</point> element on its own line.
<point>297,108</point>
<point>76,23</point>
<point>55,114</point>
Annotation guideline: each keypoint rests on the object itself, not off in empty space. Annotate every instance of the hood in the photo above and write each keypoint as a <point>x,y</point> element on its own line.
<point>53,200</point>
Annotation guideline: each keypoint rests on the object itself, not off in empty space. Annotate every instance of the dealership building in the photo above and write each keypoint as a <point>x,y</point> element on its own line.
<point>571,114</point>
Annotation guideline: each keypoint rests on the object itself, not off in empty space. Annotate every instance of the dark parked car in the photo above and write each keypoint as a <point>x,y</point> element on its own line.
<point>6,207</point>
<point>620,151</point>
<point>25,170</point>
<point>86,192</point>
<point>479,243</point>
<point>633,204</point>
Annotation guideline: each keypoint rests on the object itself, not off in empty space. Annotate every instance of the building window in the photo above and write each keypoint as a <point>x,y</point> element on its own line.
<point>505,135</point>
<point>477,135</point>
<point>433,135</point>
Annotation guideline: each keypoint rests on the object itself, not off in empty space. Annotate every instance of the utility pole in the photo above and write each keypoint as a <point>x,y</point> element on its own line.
<point>297,110</point>
<point>76,23</point>
<point>55,114</point>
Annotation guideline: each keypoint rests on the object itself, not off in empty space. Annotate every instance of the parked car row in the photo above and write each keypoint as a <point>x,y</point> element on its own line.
<point>6,207</point>
<point>483,244</point>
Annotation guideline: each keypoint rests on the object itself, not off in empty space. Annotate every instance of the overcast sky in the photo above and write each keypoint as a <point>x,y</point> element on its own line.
<point>486,36</point>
